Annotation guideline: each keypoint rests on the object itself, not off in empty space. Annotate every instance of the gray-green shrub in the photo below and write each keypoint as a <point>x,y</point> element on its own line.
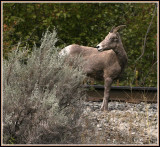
<point>42,95</point>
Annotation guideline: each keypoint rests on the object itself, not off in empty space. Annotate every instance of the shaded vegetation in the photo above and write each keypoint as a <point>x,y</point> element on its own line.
<point>87,24</point>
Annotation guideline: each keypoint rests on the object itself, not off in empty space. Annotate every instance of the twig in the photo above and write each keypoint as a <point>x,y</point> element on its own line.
<point>148,73</point>
<point>145,39</point>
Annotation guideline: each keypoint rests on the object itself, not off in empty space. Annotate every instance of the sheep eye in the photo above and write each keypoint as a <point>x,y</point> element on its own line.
<point>114,39</point>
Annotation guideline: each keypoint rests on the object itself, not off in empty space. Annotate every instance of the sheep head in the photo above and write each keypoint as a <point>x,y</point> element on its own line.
<point>111,40</point>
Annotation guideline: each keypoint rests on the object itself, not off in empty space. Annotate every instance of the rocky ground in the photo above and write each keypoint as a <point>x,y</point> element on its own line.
<point>125,123</point>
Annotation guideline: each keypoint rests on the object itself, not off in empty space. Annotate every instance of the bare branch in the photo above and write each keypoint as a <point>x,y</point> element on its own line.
<point>142,82</point>
<point>145,39</point>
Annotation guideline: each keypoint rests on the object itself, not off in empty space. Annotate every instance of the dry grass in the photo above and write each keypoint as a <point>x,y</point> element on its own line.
<point>128,126</point>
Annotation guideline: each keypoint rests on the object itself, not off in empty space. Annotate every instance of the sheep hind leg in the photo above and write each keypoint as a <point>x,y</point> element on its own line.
<point>107,87</point>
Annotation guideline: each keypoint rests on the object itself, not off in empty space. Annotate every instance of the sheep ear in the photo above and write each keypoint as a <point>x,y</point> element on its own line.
<point>117,28</point>
<point>111,31</point>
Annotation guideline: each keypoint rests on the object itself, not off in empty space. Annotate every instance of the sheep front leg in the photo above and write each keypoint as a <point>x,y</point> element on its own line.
<point>107,87</point>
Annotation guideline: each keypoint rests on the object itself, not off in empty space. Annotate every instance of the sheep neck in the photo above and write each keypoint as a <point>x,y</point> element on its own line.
<point>121,54</point>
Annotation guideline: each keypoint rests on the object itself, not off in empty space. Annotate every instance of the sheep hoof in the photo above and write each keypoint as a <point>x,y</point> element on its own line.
<point>104,109</point>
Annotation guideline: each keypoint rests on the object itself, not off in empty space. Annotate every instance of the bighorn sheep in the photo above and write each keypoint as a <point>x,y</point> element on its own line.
<point>106,61</point>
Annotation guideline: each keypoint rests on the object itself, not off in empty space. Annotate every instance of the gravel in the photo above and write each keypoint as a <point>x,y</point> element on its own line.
<point>124,123</point>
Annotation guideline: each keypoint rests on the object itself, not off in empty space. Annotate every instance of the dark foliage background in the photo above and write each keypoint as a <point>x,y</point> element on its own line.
<point>87,24</point>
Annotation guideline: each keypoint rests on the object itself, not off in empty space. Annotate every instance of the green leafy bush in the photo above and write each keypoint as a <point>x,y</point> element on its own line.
<point>87,24</point>
<point>42,95</point>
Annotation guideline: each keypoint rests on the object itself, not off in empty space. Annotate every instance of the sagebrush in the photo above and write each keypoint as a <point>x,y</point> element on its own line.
<point>42,95</point>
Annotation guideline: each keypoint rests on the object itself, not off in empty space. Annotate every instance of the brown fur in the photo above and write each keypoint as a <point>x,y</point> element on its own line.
<point>97,64</point>
<point>106,64</point>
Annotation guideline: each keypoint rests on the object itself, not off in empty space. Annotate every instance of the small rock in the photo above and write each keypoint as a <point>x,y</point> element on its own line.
<point>121,119</point>
<point>99,126</point>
